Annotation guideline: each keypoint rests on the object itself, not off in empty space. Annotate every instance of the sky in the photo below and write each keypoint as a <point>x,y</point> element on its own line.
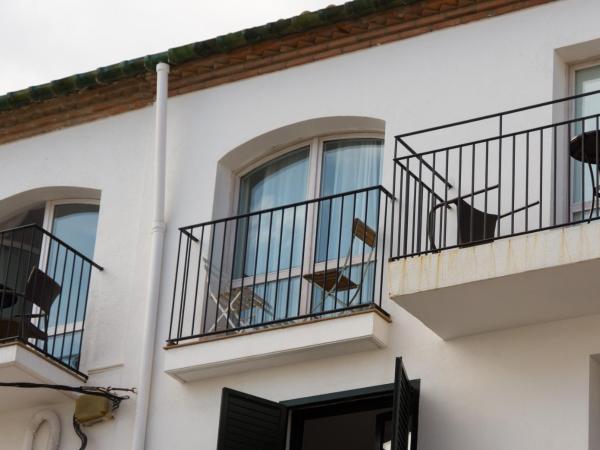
<point>42,40</point>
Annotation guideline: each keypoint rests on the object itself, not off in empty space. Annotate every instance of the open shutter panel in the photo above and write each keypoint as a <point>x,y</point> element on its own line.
<point>251,423</point>
<point>405,411</point>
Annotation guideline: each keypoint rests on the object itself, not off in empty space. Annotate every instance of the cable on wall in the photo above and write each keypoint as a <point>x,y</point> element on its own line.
<point>90,412</point>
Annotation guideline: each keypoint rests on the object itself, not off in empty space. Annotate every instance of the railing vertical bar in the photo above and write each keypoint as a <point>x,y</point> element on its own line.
<point>486,184</point>
<point>555,174</point>
<point>377,213</point>
<point>85,306</point>
<point>198,272</point>
<point>527,181</point>
<point>20,252</point>
<point>394,171</point>
<point>5,281</point>
<point>406,207</point>
<point>255,267</point>
<point>582,165</point>
<point>231,275</point>
<point>209,265</point>
<point>445,215</point>
<point>382,264</point>
<point>420,208</point>
<point>315,251</point>
<point>301,277</point>
<point>596,183</point>
<point>541,206</point>
<point>62,348</point>
<point>458,207</point>
<point>175,287</point>
<point>55,267</point>
<point>184,285</point>
<point>60,300</point>
<point>327,253</point>
<point>569,178</point>
<point>278,263</point>
<point>431,208</point>
<point>337,269</point>
<point>289,280</point>
<point>262,315</point>
<point>512,200</point>
<point>73,331</point>
<point>400,207</point>
<point>500,120</point>
<point>473,161</point>
<point>362,266</point>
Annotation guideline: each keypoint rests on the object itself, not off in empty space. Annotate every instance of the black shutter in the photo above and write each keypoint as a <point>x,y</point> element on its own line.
<point>251,423</point>
<point>405,415</point>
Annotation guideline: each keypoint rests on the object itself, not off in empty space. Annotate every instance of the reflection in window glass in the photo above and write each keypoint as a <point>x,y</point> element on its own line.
<point>76,225</point>
<point>270,186</point>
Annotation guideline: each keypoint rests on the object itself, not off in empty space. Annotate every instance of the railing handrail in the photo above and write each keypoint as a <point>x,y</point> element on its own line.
<point>290,205</point>
<point>493,138</point>
<point>50,235</point>
<point>498,114</point>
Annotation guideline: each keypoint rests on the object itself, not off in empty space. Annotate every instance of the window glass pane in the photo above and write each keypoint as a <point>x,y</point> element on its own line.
<point>259,238</point>
<point>586,80</point>
<point>348,165</point>
<point>269,186</point>
<point>66,347</point>
<point>76,225</point>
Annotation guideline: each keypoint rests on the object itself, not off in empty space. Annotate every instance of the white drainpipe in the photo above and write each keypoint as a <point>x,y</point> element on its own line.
<point>156,253</point>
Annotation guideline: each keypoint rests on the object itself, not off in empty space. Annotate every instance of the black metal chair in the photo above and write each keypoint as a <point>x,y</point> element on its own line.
<point>16,314</point>
<point>474,226</point>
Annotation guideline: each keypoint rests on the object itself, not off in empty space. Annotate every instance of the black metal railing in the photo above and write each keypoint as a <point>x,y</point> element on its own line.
<point>299,261</point>
<point>515,172</point>
<point>44,285</point>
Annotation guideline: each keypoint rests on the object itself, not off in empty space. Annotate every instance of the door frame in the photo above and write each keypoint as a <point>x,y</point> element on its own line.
<point>332,402</point>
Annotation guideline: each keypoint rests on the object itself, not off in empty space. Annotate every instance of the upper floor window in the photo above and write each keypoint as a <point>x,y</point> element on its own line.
<point>319,168</point>
<point>586,79</point>
<point>38,264</point>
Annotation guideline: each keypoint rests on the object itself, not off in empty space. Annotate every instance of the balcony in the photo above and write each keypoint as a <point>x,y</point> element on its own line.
<point>317,263</point>
<point>44,286</point>
<point>501,229</point>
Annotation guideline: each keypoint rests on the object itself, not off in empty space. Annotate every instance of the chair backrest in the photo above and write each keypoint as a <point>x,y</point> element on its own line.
<point>41,289</point>
<point>483,224</point>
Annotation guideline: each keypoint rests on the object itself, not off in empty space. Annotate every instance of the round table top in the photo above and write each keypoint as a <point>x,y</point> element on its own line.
<point>590,153</point>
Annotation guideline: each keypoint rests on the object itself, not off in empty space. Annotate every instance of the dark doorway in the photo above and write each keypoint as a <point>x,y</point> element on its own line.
<point>356,420</point>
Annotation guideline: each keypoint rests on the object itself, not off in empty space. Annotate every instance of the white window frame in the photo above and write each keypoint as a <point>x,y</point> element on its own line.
<point>316,148</point>
<point>578,207</point>
<point>48,222</point>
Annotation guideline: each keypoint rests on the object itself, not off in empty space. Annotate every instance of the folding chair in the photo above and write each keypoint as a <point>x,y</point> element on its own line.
<point>338,279</point>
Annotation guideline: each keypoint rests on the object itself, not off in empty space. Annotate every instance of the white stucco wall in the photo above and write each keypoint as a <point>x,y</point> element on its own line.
<point>515,389</point>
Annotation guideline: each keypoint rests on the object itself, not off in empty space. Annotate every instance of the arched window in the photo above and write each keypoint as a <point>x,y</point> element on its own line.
<point>300,258</point>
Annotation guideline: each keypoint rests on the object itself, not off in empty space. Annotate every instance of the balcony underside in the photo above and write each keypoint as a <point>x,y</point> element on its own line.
<point>21,363</point>
<point>539,277</point>
<point>303,341</point>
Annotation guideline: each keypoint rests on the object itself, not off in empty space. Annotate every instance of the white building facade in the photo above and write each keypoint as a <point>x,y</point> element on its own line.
<point>303,238</point>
